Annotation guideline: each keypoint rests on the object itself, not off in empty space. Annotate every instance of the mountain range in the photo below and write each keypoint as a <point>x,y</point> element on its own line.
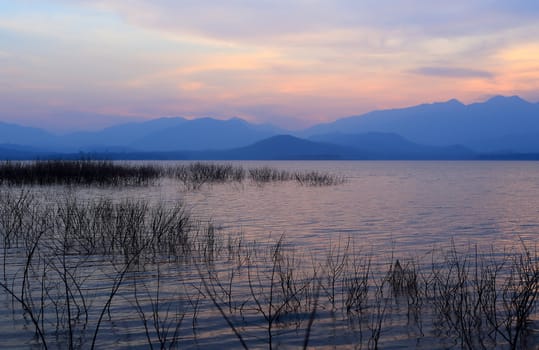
<point>500,126</point>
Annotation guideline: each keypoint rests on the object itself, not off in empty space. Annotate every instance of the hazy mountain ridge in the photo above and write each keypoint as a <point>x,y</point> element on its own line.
<point>203,134</point>
<point>13,134</point>
<point>163,134</point>
<point>478,126</point>
<point>392,146</point>
<point>286,147</point>
<point>445,130</point>
<point>121,135</point>
<point>282,147</point>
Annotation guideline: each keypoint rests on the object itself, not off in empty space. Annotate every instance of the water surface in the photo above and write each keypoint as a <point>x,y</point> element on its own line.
<point>399,206</point>
<point>386,209</point>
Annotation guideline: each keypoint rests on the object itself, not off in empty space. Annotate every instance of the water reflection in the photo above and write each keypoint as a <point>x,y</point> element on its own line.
<point>385,209</point>
<point>404,204</point>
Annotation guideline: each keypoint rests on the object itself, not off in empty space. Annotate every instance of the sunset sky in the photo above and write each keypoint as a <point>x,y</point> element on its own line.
<point>77,64</point>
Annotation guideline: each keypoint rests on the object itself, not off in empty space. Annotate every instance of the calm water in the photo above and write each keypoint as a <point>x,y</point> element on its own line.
<point>387,205</point>
<point>405,209</point>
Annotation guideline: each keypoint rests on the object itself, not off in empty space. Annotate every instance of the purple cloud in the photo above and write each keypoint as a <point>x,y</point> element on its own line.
<point>453,72</point>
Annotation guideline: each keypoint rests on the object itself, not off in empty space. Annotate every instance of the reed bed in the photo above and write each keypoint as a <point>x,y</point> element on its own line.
<point>64,263</point>
<point>194,175</point>
<point>75,269</point>
<point>108,173</point>
<point>197,174</point>
<point>266,174</point>
<point>315,178</point>
<point>79,172</point>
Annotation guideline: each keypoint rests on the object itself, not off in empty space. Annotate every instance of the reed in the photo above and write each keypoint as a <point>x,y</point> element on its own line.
<point>78,172</point>
<point>169,268</point>
<point>63,248</point>
<point>475,301</point>
<point>194,175</point>
<point>108,173</point>
<point>315,178</point>
<point>197,174</point>
<point>266,174</point>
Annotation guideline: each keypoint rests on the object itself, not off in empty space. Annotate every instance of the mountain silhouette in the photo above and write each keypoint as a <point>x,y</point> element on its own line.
<point>203,134</point>
<point>16,152</point>
<point>13,134</point>
<point>283,147</point>
<point>122,135</point>
<point>480,126</point>
<point>500,126</point>
<point>392,146</point>
<point>286,147</point>
<point>163,134</point>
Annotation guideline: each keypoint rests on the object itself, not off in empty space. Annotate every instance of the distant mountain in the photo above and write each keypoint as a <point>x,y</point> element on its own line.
<point>512,143</point>
<point>16,152</point>
<point>12,134</point>
<point>203,134</point>
<point>506,126</point>
<point>283,147</point>
<point>280,147</point>
<point>392,146</point>
<point>120,135</point>
<point>164,134</point>
<point>479,126</point>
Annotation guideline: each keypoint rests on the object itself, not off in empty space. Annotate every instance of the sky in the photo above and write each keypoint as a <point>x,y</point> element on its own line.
<point>86,64</point>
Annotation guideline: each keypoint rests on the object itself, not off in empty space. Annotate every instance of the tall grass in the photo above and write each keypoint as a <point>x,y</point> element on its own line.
<point>473,300</point>
<point>79,172</point>
<point>63,248</point>
<point>69,266</point>
<point>315,178</point>
<point>266,174</point>
<point>107,173</point>
<point>195,175</point>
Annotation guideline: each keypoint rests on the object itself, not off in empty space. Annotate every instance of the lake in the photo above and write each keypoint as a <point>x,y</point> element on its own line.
<point>402,206</point>
<point>318,244</point>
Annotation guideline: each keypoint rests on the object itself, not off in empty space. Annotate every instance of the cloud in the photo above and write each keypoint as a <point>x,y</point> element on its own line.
<point>250,21</point>
<point>453,72</point>
<point>312,60</point>
<point>320,30</point>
